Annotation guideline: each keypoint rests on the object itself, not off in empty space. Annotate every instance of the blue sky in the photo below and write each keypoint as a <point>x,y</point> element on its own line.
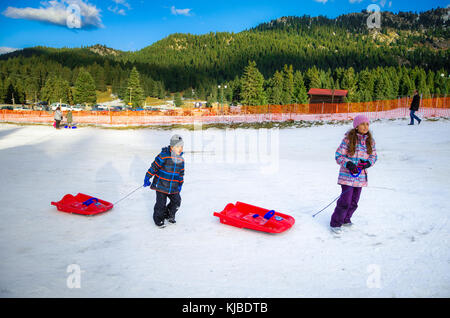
<point>133,24</point>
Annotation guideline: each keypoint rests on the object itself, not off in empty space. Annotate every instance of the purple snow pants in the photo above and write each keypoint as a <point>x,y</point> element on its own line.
<point>346,205</point>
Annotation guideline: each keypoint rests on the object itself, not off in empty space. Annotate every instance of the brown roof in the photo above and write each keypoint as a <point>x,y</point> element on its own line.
<point>328,92</point>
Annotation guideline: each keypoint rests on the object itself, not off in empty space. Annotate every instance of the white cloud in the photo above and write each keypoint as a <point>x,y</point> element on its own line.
<point>60,12</point>
<point>321,1</point>
<point>123,2</point>
<point>354,1</point>
<point>118,10</point>
<point>4,49</point>
<point>175,11</point>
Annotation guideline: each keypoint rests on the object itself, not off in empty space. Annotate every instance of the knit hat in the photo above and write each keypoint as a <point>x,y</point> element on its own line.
<point>176,140</point>
<point>359,120</point>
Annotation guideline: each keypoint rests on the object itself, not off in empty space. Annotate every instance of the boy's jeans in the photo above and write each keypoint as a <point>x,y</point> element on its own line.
<point>161,210</point>
<point>346,205</point>
<point>413,116</point>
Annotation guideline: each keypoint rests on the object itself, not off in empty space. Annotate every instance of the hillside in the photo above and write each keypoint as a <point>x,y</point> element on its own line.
<point>181,62</point>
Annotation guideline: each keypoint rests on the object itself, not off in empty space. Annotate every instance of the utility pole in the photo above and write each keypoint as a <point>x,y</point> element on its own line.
<point>131,88</point>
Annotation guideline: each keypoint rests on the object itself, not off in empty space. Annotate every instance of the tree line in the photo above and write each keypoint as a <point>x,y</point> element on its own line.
<point>279,61</point>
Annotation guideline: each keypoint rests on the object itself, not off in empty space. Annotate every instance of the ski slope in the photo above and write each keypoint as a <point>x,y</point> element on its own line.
<point>398,247</point>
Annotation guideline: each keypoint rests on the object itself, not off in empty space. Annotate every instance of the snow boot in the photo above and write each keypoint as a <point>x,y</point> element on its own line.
<point>172,220</point>
<point>336,230</point>
<point>161,225</point>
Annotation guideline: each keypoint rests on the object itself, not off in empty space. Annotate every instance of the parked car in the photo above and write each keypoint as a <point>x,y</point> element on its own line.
<point>64,107</point>
<point>21,107</point>
<point>102,107</point>
<point>77,108</point>
<point>7,107</point>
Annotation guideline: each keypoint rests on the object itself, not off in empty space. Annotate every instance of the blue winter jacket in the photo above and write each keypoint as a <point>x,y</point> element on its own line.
<point>168,172</point>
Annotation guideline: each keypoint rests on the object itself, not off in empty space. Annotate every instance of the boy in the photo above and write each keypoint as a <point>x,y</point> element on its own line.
<point>168,173</point>
<point>69,119</point>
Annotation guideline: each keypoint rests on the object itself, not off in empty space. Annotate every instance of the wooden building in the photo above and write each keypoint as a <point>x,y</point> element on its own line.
<point>323,95</point>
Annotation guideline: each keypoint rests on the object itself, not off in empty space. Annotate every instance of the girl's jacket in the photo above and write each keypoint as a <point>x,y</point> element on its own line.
<point>168,172</point>
<point>342,157</point>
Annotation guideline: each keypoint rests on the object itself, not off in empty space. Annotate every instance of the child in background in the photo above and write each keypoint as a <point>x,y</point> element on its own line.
<point>168,173</point>
<point>69,119</point>
<point>58,117</point>
<point>356,152</point>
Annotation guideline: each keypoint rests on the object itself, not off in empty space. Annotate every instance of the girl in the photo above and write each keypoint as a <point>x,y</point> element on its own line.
<point>356,153</point>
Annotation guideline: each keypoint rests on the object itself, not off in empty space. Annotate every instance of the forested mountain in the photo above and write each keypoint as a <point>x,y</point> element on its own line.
<point>291,53</point>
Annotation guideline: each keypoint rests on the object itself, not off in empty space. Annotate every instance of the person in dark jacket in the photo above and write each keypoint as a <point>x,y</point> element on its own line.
<point>415,107</point>
<point>168,176</point>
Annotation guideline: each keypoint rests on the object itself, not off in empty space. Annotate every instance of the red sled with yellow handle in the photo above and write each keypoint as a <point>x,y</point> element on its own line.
<point>243,215</point>
<point>82,204</point>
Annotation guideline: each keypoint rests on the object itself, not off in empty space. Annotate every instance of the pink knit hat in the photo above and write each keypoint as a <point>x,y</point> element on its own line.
<point>359,120</point>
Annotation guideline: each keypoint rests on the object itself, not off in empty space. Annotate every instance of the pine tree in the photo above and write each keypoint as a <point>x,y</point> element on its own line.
<point>161,90</point>
<point>312,78</point>
<point>365,85</point>
<point>430,81</point>
<point>300,95</point>
<point>84,91</point>
<point>275,91</point>
<point>135,91</point>
<point>2,90</point>
<point>177,100</point>
<point>252,90</point>
<point>55,90</point>
<point>288,85</point>
<point>406,85</point>
<point>380,87</point>
<point>349,83</point>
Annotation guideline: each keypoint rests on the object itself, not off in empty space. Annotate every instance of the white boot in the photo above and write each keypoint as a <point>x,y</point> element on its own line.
<point>336,230</point>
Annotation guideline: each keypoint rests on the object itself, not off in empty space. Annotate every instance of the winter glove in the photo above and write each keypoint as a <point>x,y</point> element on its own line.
<point>147,180</point>
<point>352,167</point>
<point>363,164</point>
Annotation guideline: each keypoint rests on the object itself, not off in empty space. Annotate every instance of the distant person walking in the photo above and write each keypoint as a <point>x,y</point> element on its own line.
<point>415,107</point>
<point>58,117</point>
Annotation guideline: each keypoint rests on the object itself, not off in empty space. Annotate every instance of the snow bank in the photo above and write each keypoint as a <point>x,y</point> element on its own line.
<point>398,247</point>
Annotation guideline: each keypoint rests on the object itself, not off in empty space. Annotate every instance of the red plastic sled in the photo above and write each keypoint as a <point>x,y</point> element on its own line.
<point>82,204</point>
<point>248,216</point>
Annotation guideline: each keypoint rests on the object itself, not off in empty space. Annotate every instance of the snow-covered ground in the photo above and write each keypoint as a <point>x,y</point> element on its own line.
<point>398,247</point>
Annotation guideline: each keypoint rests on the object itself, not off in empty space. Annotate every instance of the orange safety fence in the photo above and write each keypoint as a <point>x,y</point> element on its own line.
<point>390,109</point>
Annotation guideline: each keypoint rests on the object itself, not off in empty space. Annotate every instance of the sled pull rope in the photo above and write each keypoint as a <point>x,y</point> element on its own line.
<point>354,176</point>
<point>331,202</point>
<point>140,187</point>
